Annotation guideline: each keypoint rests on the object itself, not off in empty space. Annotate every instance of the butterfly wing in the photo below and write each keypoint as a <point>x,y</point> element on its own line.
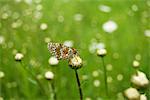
<point>61,51</point>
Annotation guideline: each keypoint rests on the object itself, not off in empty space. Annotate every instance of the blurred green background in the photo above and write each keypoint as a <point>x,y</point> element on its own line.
<point>27,25</point>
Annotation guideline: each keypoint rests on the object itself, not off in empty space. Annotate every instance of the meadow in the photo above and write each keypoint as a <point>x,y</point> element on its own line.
<point>122,27</point>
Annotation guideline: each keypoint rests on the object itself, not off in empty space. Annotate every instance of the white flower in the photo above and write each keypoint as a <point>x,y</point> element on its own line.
<point>2,39</point>
<point>53,61</point>
<point>140,79</point>
<point>136,63</point>
<point>104,8</point>
<point>78,17</point>
<point>49,75</point>
<point>132,94</point>
<point>68,43</point>
<point>147,33</point>
<point>110,26</point>
<point>2,74</point>
<point>143,97</point>
<point>19,56</point>
<point>43,26</point>
<point>75,62</point>
<point>96,83</point>
<point>101,52</point>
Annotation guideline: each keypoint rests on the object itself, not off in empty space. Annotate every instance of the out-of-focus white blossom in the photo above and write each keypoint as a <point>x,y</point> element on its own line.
<point>2,40</point>
<point>139,79</point>
<point>109,79</point>
<point>143,97</point>
<point>119,77</point>
<point>96,83</point>
<point>19,56</point>
<point>60,18</point>
<point>78,17</point>
<point>68,43</point>
<point>136,64</point>
<point>43,26</point>
<point>134,7</point>
<point>49,75</point>
<point>138,57</point>
<point>53,61</point>
<point>104,8</point>
<point>95,73</point>
<point>47,39</point>
<point>101,52</point>
<point>110,26</point>
<point>2,74</point>
<point>147,33</point>
<point>132,94</point>
<point>94,46</point>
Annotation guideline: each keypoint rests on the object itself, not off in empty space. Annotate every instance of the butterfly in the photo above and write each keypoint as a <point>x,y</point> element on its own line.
<point>60,51</point>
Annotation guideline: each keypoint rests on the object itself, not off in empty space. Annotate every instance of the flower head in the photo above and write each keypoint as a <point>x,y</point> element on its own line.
<point>136,64</point>
<point>132,94</point>
<point>49,75</point>
<point>19,56</point>
<point>101,52</point>
<point>53,61</point>
<point>75,62</point>
<point>139,79</point>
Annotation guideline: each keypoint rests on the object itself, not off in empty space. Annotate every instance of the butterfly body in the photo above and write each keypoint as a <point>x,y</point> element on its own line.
<point>61,51</point>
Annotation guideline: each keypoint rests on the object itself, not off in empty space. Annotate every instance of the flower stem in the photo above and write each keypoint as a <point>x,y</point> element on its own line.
<point>53,96</point>
<point>105,77</point>
<point>37,80</point>
<point>79,85</point>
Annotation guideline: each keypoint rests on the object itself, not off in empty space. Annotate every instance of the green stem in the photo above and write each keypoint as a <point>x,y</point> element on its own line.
<point>105,77</point>
<point>53,91</point>
<point>37,80</point>
<point>79,85</point>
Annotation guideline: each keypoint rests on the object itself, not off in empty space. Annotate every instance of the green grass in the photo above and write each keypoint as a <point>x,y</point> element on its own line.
<point>127,41</point>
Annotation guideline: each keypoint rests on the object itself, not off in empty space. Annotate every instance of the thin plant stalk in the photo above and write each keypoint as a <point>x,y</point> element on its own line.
<point>39,83</point>
<point>79,85</point>
<point>53,91</point>
<point>105,76</point>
